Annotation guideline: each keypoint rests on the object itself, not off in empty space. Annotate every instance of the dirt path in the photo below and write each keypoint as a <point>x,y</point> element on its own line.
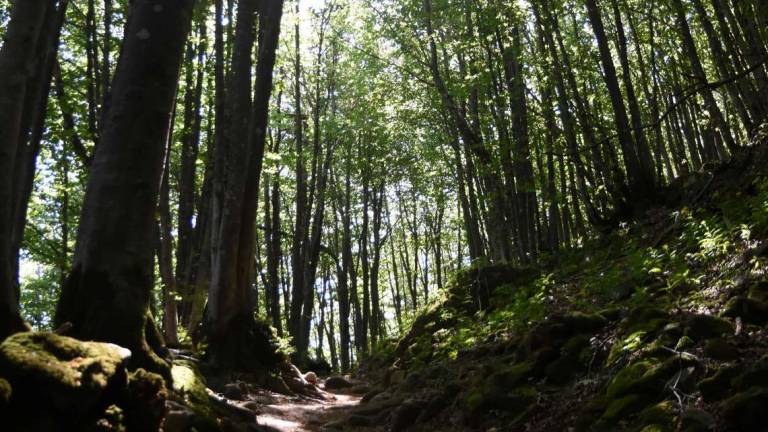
<point>292,414</point>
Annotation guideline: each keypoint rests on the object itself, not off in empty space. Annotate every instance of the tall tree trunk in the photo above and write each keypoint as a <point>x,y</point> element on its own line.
<point>235,340</point>
<point>107,294</point>
<point>165,258</point>
<point>640,181</point>
<point>699,74</point>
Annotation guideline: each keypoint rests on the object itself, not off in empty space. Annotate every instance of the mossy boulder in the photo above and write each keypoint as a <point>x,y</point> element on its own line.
<point>190,390</point>
<point>684,343</point>
<point>512,376</point>
<point>563,370</point>
<point>644,318</point>
<point>702,327</point>
<point>145,404</point>
<point>750,310</point>
<point>648,376</point>
<point>621,408</point>
<point>60,382</point>
<point>5,392</point>
<point>662,415</point>
<point>514,401</point>
<point>696,420</point>
<point>720,349</point>
<point>746,411</point>
<point>580,323</point>
<point>502,390</point>
<point>755,375</point>
<point>718,386</point>
<point>626,379</point>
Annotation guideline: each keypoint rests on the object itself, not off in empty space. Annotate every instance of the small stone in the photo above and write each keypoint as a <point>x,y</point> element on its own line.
<point>143,34</point>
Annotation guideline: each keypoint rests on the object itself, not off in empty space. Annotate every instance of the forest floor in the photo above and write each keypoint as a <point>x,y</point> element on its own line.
<point>280,413</point>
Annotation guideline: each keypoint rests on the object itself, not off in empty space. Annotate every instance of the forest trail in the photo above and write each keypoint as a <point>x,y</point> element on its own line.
<point>292,414</point>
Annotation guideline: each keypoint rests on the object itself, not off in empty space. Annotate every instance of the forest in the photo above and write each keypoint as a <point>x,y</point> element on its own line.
<point>359,215</point>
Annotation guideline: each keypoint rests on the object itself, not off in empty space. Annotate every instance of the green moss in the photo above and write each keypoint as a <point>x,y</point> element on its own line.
<point>696,420</point>
<point>624,406</point>
<point>113,420</point>
<point>663,414</point>
<point>646,319</point>
<point>720,349</point>
<point>755,375</point>
<point>684,343</point>
<point>627,378</point>
<point>655,428</point>
<point>718,386</point>
<point>647,376</point>
<point>60,360</point>
<point>5,391</point>
<point>189,389</point>
<point>746,411</point>
<point>701,327</point>
<point>146,402</point>
<point>513,375</point>
<point>64,382</point>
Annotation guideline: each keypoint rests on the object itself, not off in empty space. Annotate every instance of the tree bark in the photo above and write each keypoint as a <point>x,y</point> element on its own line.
<point>107,294</point>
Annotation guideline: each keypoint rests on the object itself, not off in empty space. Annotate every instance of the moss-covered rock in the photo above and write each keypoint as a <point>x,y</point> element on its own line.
<point>647,376</point>
<point>112,420</point>
<point>145,404</point>
<point>579,322</point>
<point>718,385</point>
<point>512,376</point>
<point>755,375</point>
<point>656,428</point>
<point>751,311</point>
<point>684,343</point>
<point>622,407</point>
<point>702,327</point>
<point>190,390</point>
<point>644,318</point>
<point>627,378</point>
<point>746,411</point>
<point>5,392</point>
<point>720,349</point>
<point>662,415</point>
<point>563,370</point>
<point>502,390</point>
<point>69,381</point>
<point>696,420</point>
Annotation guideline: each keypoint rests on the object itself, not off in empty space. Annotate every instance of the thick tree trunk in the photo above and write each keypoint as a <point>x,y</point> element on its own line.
<point>106,296</point>
<point>235,339</point>
<point>25,67</point>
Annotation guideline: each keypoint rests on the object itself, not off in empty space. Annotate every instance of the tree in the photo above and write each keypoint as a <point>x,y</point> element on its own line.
<point>106,296</point>
<point>26,63</point>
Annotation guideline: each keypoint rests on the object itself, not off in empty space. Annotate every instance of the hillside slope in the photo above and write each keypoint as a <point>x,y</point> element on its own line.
<point>659,326</point>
